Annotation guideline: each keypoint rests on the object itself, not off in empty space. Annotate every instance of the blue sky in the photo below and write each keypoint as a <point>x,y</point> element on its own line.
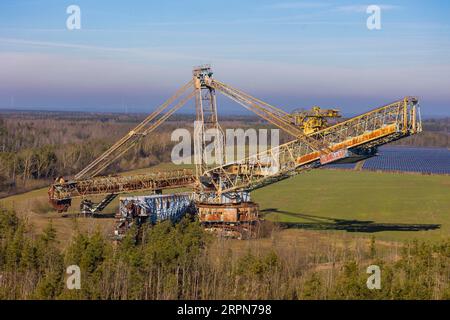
<point>132,55</point>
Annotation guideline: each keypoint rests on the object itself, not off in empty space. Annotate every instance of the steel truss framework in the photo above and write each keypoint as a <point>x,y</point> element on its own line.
<point>365,132</point>
<point>157,207</point>
<point>153,209</point>
<point>206,116</point>
<point>361,134</point>
<point>122,184</point>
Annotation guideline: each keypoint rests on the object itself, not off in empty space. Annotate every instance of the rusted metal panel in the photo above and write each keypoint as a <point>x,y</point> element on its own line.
<point>333,156</point>
<point>228,213</point>
<point>122,184</point>
<point>152,209</point>
<point>352,142</point>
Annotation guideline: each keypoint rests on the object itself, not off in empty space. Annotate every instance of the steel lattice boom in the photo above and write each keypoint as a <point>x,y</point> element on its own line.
<point>350,140</point>
<point>135,135</point>
<point>60,194</point>
<point>359,135</point>
<point>270,113</point>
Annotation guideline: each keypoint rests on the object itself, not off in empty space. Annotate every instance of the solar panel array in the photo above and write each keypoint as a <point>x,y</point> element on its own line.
<point>424,160</point>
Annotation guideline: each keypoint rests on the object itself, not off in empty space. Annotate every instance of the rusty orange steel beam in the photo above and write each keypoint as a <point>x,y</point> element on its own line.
<point>268,112</point>
<point>122,184</point>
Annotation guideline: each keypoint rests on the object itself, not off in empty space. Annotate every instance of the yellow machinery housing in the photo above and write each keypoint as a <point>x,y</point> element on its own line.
<point>314,120</point>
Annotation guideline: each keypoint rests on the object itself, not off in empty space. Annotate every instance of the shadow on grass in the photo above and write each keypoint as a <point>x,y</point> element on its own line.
<point>327,223</point>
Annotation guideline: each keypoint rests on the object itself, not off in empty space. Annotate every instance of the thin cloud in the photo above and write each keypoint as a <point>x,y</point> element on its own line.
<point>57,44</point>
<point>149,53</point>
<point>363,8</point>
<point>299,5</point>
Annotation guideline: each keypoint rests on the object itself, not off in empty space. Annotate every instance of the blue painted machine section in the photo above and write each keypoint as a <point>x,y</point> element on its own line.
<point>156,208</point>
<point>233,197</point>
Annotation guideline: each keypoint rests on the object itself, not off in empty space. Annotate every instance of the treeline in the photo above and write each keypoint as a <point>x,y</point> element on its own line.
<point>34,152</point>
<point>436,133</point>
<point>183,262</point>
<point>35,147</point>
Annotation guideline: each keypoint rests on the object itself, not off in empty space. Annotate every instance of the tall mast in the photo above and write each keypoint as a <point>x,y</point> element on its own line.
<point>208,135</point>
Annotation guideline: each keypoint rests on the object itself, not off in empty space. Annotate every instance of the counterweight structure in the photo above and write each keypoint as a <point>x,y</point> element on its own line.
<point>221,193</point>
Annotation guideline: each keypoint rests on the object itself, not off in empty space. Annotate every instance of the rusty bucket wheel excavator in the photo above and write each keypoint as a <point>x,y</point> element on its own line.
<point>220,195</point>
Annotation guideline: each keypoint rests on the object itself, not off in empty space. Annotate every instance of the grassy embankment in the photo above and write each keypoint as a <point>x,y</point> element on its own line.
<point>389,206</point>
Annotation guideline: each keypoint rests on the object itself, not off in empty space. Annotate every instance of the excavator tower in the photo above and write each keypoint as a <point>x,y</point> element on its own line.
<point>221,191</point>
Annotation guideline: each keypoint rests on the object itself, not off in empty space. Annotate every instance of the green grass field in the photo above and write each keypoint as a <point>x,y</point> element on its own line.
<point>388,206</point>
<point>35,208</point>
